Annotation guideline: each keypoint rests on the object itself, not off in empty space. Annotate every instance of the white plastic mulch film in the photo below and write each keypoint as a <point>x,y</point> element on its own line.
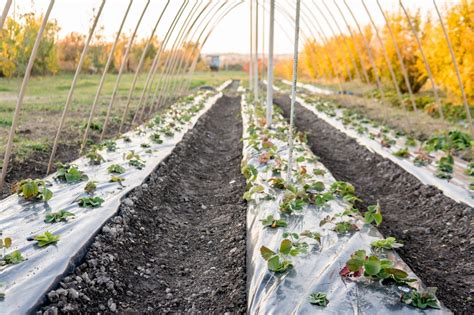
<point>457,188</point>
<point>26,283</point>
<point>318,270</point>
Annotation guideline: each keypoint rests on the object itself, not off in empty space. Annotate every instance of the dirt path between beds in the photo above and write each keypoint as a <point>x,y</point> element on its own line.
<point>178,243</point>
<point>437,232</point>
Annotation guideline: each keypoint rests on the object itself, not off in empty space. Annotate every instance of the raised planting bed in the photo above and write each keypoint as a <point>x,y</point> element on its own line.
<point>433,162</point>
<point>51,222</point>
<point>309,249</point>
<point>436,231</point>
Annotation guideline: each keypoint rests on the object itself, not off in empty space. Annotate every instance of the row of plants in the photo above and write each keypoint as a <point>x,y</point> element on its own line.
<point>312,188</point>
<point>438,150</point>
<point>161,127</point>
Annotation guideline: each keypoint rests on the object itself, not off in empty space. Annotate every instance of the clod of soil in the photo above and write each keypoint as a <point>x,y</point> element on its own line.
<point>178,242</point>
<point>436,231</point>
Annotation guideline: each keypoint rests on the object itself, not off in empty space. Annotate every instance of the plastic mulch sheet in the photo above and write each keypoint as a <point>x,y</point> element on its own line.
<point>26,283</point>
<point>318,269</point>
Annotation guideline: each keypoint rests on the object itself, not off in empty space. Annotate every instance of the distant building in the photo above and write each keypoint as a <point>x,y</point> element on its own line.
<point>214,62</point>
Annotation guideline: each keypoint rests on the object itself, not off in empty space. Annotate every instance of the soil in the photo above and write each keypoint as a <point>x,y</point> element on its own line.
<point>436,231</point>
<point>178,243</point>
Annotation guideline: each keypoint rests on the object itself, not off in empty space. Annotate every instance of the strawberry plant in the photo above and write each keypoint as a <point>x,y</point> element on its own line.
<point>277,182</point>
<point>421,159</point>
<point>388,243</point>
<point>116,169</point>
<point>319,172</point>
<point>273,223</point>
<point>13,258</point>
<point>344,190</point>
<point>46,239</point>
<point>386,142</point>
<point>134,160</point>
<point>422,300</point>
<point>250,172</point>
<point>90,187</point>
<point>90,202</point>
<point>145,145</point>
<point>110,145</point>
<point>410,142</point>
<point>373,214</point>
<point>94,157</point>
<point>33,189</point>
<point>373,267</point>
<point>277,262</point>
<point>69,173</point>
<point>318,298</point>
<point>255,189</point>
<point>402,153</point>
<point>55,217</point>
<point>445,167</point>
<point>116,179</point>
<point>470,169</point>
<point>126,139</point>
<point>298,246</point>
<point>156,138</point>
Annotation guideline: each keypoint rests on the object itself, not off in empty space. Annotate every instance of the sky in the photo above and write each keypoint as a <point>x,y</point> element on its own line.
<point>231,35</point>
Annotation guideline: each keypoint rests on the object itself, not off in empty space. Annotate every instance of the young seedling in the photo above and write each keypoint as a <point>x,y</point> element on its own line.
<point>410,142</point>
<point>273,223</point>
<point>255,189</point>
<point>345,227</point>
<point>319,172</point>
<point>33,189</point>
<point>116,169</point>
<point>156,138</point>
<point>69,173</point>
<point>90,202</point>
<point>344,190</point>
<point>388,243</point>
<point>55,217</point>
<point>13,258</point>
<point>145,145</point>
<point>373,267</point>
<point>5,243</point>
<point>318,298</point>
<point>445,167</point>
<point>422,300</point>
<point>90,187</point>
<point>46,239</point>
<point>277,182</point>
<point>116,179</point>
<point>110,145</point>
<point>402,153</point>
<point>421,159</point>
<point>250,172</point>
<point>373,214</point>
<point>94,157</point>
<point>470,169</point>
<point>278,262</point>
<point>134,160</point>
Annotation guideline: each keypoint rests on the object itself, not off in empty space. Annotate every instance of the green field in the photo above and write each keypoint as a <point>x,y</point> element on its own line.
<point>45,98</point>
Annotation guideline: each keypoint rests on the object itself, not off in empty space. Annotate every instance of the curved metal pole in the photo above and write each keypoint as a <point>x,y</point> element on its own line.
<point>122,68</point>
<point>102,79</point>
<point>175,52</point>
<point>191,71</point>
<point>256,70</point>
<point>270,64</point>
<point>456,69</point>
<point>139,67</point>
<point>385,54</point>
<point>73,87</point>
<point>293,92</point>
<point>167,66</point>
<point>353,60</point>
<point>357,48</point>
<point>181,53</point>
<point>21,94</point>
<point>369,52</point>
<point>186,62</point>
<point>326,41</point>
<point>400,58</point>
<point>251,47</point>
<point>425,61</point>
<point>5,13</point>
<point>156,62</point>
<point>334,35</point>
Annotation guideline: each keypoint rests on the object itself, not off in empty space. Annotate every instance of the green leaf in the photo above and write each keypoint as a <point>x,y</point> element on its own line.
<point>318,298</point>
<point>285,246</point>
<point>90,202</point>
<point>372,265</point>
<point>13,258</point>
<point>266,252</point>
<point>55,217</point>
